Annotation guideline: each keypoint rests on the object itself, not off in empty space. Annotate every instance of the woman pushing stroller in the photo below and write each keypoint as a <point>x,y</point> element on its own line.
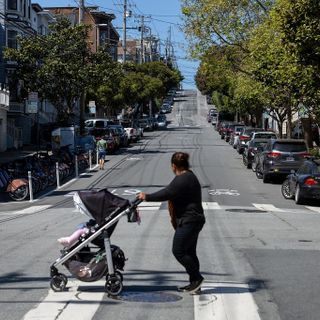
<point>185,202</point>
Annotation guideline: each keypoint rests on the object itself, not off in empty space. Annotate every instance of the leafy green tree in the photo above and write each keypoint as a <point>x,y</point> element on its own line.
<point>105,76</point>
<point>227,22</point>
<point>54,65</point>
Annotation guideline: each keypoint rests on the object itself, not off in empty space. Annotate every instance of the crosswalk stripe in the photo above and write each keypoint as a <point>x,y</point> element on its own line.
<point>224,301</point>
<point>210,206</point>
<point>267,207</point>
<point>149,206</point>
<point>67,304</point>
<point>315,209</point>
<point>32,209</point>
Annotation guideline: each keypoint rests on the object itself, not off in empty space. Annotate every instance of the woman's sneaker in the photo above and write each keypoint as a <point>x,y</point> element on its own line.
<point>195,286</point>
<point>185,288</point>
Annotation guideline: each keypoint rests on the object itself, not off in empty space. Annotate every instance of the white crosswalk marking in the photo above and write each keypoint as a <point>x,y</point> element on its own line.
<point>225,301</point>
<point>267,207</point>
<point>210,206</point>
<point>315,209</point>
<point>149,205</point>
<point>71,304</point>
<point>29,210</point>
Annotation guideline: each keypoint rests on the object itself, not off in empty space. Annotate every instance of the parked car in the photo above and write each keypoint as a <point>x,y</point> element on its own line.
<point>304,184</point>
<point>263,135</point>
<point>235,127</point>
<point>98,123</point>
<point>98,133</point>
<point>223,128</point>
<point>132,133</point>
<point>234,139</point>
<point>280,157</point>
<point>146,124</point>
<point>162,121</point>
<point>245,137</point>
<point>123,136</point>
<point>251,148</point>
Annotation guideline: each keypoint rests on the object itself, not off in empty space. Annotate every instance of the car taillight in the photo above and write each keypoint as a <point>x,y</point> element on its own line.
<point>310,182</point>
<point>273,154</point>
<point>304,155</point>
<point>244,138</point>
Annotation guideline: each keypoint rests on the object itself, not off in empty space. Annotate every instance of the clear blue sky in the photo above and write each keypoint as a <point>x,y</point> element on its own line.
<point>163,14</point>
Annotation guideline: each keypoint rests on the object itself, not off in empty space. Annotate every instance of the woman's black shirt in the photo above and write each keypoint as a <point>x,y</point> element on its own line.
<point>185,193</point>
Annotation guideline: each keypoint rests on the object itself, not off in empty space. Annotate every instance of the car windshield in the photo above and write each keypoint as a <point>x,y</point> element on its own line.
<point>265,135</point>
<point>290,146</point>
<point>259,143</point>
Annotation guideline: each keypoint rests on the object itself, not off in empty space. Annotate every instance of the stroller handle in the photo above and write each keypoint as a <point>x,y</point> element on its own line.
<point>136,202</point>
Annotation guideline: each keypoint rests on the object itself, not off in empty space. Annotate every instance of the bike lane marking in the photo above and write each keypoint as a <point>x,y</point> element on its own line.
<point>71,304</point>
<point>225,301</point>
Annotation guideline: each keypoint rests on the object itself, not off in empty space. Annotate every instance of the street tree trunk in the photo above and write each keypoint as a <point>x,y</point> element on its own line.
<point>306,124</point>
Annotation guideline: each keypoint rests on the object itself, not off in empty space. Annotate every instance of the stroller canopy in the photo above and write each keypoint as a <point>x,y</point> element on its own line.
<point>99,204</point>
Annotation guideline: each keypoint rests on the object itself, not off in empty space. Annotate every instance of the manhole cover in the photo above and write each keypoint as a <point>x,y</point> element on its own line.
<point>154,297</point>
<point>246,210</point>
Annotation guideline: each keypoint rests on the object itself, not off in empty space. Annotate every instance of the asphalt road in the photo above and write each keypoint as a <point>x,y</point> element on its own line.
<point>258,252</point>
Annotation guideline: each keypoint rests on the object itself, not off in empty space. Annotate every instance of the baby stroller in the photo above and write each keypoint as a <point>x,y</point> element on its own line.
<point>92,256</point>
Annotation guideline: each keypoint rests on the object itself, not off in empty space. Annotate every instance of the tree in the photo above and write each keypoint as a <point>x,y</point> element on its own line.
<point>105,76</point>
<point>54,65</point>
<point>227,22</point>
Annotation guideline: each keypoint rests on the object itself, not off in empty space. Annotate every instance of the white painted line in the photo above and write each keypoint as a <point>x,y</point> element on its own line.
<point>211,206</point>
<point>225,301</point>
<point>71,304</point>
<point>267,207</point>
<point>315,209</point>
<point>149,204</point>
<point>33,209</point>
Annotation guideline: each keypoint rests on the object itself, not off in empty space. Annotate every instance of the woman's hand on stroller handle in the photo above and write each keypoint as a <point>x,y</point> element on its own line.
<point>141,196</point>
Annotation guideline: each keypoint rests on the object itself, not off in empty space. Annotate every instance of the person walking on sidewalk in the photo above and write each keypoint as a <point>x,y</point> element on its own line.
<point>102,151</point>
<point>184,196</point>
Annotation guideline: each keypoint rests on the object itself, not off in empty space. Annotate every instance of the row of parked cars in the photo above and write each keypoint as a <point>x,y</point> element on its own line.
<point>272,158</point>
<point>121,133</point>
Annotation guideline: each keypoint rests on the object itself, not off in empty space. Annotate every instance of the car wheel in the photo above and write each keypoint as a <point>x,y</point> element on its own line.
<point>297,197</point>
<point>285,190</point>
<point>258,172</point>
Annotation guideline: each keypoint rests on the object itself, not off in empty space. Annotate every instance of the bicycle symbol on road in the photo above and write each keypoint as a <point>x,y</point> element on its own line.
<point>224,192</point>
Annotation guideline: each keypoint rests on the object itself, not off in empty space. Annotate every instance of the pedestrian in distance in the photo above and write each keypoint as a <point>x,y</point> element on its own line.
<point>187,217</point>
<point>102,151</point>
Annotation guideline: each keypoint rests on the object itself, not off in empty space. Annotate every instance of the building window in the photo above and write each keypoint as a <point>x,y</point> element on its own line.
<point>12,39</point>
<point>12,4</point>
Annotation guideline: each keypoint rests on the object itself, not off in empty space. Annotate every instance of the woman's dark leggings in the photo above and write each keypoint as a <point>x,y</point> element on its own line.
<point>184,248</point>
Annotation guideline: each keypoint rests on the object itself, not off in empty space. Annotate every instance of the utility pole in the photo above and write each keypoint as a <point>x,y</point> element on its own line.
<point>141,40</point>
<point>82,100</point>
<point>124,40</point>
<point>81,11</point>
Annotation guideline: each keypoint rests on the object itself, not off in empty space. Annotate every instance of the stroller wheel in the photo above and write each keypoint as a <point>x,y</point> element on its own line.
<point>117,274</point>
<point>58,282</point>
<point>113,285</point>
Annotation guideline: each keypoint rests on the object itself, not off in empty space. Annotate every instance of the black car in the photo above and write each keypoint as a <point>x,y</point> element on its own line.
<point>280,157</point>
<point>303,184</point>
<point>251,148</point>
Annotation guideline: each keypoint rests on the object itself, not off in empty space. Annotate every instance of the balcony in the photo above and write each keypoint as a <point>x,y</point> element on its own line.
<point>4,99</point>
<point>16,107</point>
